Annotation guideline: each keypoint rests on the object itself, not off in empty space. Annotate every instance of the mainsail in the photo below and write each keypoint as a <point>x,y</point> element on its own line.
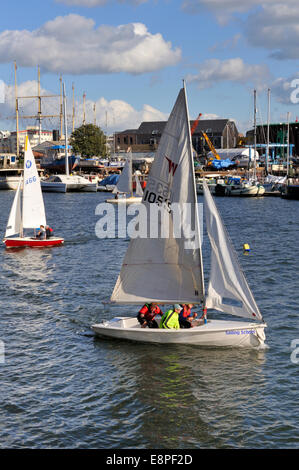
<point>15,218</point>
<point>139,190</point>
<point>167,268</point>
<point>124,184</point>
<point>33,203</point>
<point>228,290</point>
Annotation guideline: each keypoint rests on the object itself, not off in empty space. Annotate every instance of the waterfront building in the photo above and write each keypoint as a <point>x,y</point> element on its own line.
<point>8,143</point>
<point>223,133</point>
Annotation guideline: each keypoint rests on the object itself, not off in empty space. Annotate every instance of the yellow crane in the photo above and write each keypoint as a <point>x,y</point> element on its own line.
<point>211,146</point>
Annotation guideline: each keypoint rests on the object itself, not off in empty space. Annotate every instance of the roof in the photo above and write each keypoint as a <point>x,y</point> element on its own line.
<point>157,127</point>
<point>128,131</point>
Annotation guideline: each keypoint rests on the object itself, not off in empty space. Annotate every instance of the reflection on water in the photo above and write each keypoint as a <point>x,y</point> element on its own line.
<point>188,395</point>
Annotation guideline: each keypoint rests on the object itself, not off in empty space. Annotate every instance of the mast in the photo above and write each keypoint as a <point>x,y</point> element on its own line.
<point>288,144</point>
<point>73,114</point>
<point>60,105</point>
<point>39,111</point>
<point>268,133</point>
<point>65,133</point>
<point>84,121</point>
<point>195,196</point>
<point>94,114</point>
<point>254,168</point>
<point>17,111</point>
<point>131,174</point>
<point>39,114</point>
<point>23,201</point>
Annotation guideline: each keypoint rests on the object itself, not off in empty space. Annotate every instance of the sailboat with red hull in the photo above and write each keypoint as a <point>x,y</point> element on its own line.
<point>28,213</point>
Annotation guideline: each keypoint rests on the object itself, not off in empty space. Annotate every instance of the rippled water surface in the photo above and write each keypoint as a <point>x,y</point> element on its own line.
<point>63,388</point>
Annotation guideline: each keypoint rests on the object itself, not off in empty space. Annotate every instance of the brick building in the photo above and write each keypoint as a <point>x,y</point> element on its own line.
<point>223,133</point>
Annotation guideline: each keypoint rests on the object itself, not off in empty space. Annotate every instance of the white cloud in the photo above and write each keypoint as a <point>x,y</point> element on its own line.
<point>230,7</point>
<point>235,70</point>
<point>276,28</point>
<point>72,44</point>
<point>223,9</point>
<point>269,24</point>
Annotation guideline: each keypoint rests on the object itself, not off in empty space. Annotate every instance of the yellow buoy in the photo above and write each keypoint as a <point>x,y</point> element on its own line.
<point>246,247</point>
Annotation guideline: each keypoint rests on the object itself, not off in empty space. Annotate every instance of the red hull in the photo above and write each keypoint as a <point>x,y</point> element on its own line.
<point>32,242</point>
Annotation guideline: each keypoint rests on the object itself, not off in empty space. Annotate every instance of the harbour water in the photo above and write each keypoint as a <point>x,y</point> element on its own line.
<point>63,388</point>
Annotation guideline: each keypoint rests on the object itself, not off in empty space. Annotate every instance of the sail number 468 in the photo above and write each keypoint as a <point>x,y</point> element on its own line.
<point>31,180</point>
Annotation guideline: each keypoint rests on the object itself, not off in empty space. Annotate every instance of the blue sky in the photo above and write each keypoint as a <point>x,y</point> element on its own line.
<point>130,56</point>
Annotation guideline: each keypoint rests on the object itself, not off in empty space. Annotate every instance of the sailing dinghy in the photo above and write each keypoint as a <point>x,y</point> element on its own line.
<point>169,270</point>
<point>124,186</point>
<point>30,214</point>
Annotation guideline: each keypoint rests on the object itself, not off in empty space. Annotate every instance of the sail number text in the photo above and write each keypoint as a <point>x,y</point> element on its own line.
<point>31,180</point>
<point>158,193</point>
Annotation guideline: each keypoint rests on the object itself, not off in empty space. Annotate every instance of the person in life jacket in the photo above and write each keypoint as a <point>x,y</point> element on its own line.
<point>41,232</point>
<point>49,232</point>
<point>170,319</point>
<point>146,315</point>
<point>185,317</point>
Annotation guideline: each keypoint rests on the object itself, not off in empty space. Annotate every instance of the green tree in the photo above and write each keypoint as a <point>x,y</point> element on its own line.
<point>88,141</point>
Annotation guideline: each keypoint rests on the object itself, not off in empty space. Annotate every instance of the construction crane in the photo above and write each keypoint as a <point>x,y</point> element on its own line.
<point>211,146</point>
<point>195,124</point>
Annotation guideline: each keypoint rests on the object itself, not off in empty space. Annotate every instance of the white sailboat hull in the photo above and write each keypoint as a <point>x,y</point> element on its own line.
<point>245,191</point>
<point>125,200</point>
<point>54,187</point>
<point>9,182</point>
<point>68,185</point>
<point>215,333</point>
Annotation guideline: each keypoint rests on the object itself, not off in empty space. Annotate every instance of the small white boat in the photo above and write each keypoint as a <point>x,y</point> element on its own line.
<point>239,188</point>
<point>245,189</point>
<point>10,178</point>
<point>211,182</point>
<point>169,270</point>
<point>124,186</point>
<point>66,183</point>
<point>214,333</point>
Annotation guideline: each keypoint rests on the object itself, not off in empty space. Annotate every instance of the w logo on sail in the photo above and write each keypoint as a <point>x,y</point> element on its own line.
<point>171,166</point>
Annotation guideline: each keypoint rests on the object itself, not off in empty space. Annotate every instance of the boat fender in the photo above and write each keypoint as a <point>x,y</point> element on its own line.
<point>261,335</point>
<point>204,315</point>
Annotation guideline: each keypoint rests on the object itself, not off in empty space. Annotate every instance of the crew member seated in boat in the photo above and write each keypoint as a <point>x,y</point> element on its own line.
<point>41,233</point>
<point>185,317</point>
<point>49,231</point>
<point>147,314</point>
<point>170,319</point>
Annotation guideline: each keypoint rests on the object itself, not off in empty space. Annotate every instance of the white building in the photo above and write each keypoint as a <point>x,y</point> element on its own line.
<point>8,144</point>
